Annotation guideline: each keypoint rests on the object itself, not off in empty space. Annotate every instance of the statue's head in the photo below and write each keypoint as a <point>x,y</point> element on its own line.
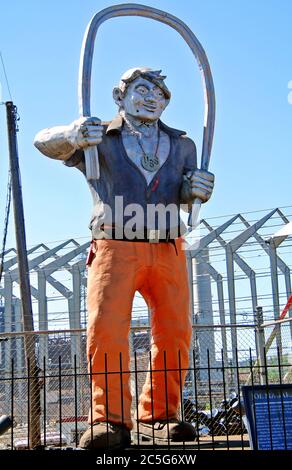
<point>142,94</point>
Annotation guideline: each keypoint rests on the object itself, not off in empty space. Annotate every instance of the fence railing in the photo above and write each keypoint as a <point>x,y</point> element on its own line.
<point>210,396</point>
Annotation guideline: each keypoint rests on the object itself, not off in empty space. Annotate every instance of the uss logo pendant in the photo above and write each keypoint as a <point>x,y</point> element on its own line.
<point>149,162</point>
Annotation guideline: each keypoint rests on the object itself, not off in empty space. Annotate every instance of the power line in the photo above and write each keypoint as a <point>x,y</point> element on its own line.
<point>8,192</point>
<point>6,222</point>
<point>5,75</point>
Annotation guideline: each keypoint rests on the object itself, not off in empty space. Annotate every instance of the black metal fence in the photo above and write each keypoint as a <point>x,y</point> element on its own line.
<point>210,398</point>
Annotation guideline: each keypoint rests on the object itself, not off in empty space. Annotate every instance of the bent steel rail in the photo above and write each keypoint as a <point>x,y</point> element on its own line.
<point>85,67</point>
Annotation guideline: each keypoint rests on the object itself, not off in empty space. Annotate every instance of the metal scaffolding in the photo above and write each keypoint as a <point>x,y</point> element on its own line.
<point>233,268</point>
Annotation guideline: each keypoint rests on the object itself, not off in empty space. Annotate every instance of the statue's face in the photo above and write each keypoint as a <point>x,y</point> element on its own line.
<point>144,100</point>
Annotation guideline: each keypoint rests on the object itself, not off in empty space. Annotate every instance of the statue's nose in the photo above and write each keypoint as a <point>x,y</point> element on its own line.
<point>150,98</point>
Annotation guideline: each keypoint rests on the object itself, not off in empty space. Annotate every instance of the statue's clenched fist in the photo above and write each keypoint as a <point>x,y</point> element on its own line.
<point>201,184</point>
<point>61,142</point>
<point>85,132</point>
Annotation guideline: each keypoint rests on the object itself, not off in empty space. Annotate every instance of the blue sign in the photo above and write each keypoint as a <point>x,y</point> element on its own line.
<point>268,411</point>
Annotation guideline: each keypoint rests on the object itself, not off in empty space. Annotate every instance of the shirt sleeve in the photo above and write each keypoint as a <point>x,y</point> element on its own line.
<point>76,160</point>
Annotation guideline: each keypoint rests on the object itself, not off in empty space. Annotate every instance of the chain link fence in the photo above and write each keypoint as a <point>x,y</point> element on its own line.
<point>210,397</point>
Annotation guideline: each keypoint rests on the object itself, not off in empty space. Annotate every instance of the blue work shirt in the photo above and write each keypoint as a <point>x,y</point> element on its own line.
<point>122,183</point>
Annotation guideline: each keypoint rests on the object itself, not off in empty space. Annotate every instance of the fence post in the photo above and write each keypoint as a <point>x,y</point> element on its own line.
<point>260,341</point>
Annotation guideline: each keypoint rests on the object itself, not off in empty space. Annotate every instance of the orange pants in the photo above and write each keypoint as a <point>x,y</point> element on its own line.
<point>158,271</point>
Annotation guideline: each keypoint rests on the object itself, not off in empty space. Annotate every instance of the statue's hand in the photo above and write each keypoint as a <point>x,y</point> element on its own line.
<point>201,184</point>
<point>84,132</point>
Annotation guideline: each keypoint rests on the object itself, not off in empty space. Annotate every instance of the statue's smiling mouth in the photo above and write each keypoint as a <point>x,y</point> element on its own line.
<point>150,107</point>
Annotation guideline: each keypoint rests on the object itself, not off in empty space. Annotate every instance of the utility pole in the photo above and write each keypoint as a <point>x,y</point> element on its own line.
<point>27,315</point>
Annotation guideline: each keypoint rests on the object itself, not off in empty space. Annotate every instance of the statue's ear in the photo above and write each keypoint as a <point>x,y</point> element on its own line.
<point>117,95</point>
<point>167,102</point>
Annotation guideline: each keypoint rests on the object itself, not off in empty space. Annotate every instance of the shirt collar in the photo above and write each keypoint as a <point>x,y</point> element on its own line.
<point>117,123</point>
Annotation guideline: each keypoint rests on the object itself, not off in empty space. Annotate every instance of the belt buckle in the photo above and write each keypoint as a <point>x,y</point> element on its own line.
<point>154,236</point>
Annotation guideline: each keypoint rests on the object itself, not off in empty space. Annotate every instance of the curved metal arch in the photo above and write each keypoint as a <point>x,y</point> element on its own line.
<point>84,82</point>
<point>132,9</point>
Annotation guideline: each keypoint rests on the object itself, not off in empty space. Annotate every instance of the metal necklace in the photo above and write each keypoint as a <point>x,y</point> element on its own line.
<point>148,162</point>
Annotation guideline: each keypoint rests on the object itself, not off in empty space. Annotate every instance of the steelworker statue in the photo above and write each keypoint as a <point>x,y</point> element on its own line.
<point>145,166</point>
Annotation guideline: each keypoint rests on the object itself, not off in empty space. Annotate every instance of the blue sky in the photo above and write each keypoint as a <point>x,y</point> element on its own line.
<point>248,44</point>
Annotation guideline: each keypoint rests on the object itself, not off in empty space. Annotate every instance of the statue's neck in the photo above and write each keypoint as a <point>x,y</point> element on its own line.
<point>139,127</point>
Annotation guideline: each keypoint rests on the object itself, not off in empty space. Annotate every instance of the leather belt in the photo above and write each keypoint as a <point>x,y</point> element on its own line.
<point>146,235</point>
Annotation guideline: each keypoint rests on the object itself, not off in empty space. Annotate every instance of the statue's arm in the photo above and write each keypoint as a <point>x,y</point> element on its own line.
<point>61,142</point>
<point>196,183</point>
<point>190,157</point>
<point>53,143</point>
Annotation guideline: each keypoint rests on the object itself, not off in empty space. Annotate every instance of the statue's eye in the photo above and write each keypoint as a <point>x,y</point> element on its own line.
<point>142,90</point>
<point>158,93</point>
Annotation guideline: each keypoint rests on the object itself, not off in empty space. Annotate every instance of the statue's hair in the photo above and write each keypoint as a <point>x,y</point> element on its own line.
<point>153,76</point>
